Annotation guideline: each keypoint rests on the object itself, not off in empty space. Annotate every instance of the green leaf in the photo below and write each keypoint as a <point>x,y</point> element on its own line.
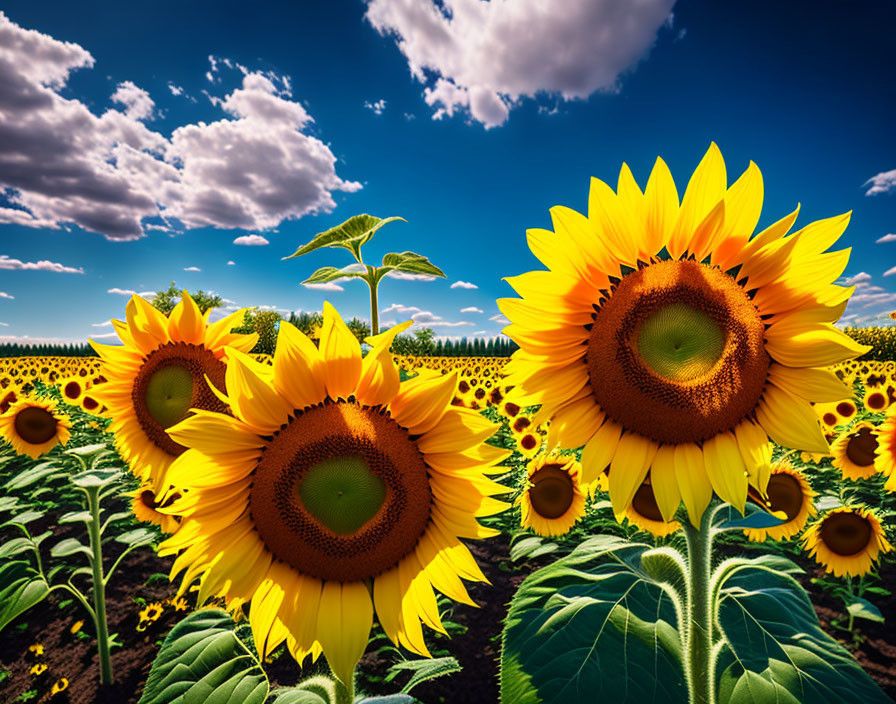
<point>330,273</point>
<point>755,517</point>
<point>69,546</point>
<point>411,263</point>
<point>297,696</point>
<point>21,587</point>
<point>390,699</point>
<point>202,661</point>
<point>86,450</point>
<point>95,478</point>
<point>138,536</point>
<point>774,646</point>
<point>34,474</point>
<point>424,670</point>
<point>592,627</point>
<point>14,547</point>
<point>23,518</point>
<point>861,608</point>
<point>351,235</point>
<point>8,503</point>
<point>75,516</point>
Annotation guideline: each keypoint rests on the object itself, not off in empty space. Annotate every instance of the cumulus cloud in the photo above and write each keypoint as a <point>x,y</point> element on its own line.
<point>890,272</point>
<point>378,107</point>
<point>175,89</point>
<point>3,294</point>
<point>886,238</point>
<point>329,286</point>
<point>43,265</point>
<point>130,292</point>
<point>482,58</point>
<point>101,325</point>
<point>231,263</point>
<point>463,284</point>
<point>472,309</point>
<point>192,268</point>
<point>500,319</point>
<point>61,164</point>
<point>405,276</point>
<point>861,277</point>
<point>401,308</point>
<point>251,241</point>
<point>884,182</point>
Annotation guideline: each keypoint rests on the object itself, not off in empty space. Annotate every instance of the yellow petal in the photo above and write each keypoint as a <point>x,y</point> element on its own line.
<point>213,433</point>
<point>743,205</point>
<point>756,452</point>
<point>342,355</point>
<point>628,468</point>
<point>810,344</point>
<point>147,326</point>
<point>663,482</point>
<point>660,208</point>
<point>387,599</point>
<point>252,397</point>
<point>615,226</point>
<point>705,189</point>
<point>574,424</point>
<point>790,421</point>
<point>458,430</point>
<point>186,324</point>
<point>298,368</point>
<point>344,619</point>
<point>816,385</point>
<point>599,451</point>
<point>263,610</point>
<point>690,473</point>
<point>379,380</point>
<point>726,469</point>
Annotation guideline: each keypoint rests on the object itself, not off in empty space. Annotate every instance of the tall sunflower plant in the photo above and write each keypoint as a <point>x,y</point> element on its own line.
<point>672,343</point>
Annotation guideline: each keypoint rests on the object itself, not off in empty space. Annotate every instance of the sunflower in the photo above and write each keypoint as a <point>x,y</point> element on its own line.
<point>552,500</point>
<point>885,461</point>
<point>33,426</point>
<point>330,479</point>
<point>855,451</point>
<point>659,325</point>
<point>876,400</point>
<point>72,389</point>
<point>159,374</point>
<point>146,507</point>
<point>847,541</point>
<point>644,512</point>
<point>789,494</point>
<point>59,686</point>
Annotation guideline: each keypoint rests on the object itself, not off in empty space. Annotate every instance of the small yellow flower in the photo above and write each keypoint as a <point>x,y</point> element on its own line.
<point>38,669</point>
<point>37,649</point>
<point>76,626</point>
<point>179,604</point>
<point>59,685</point>
<point>152,611</point>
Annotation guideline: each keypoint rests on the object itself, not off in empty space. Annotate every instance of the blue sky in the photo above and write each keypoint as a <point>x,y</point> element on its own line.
<point>281,122</point>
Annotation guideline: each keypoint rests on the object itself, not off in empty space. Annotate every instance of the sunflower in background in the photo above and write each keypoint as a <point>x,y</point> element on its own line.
<point>847,541</point>
<point>855,451</point>
<point>790,497</point>
<point>145,505</point>
<point>552,500</point>
<point>644,512</point>
<point>332,491</point>
<point>885,461</point>
<point>34,426</point>
<point>159,374</point>
<point>666,340</point>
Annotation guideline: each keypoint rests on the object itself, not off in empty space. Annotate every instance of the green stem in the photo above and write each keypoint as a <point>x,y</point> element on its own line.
<point>374,309</point>
<point>345,692</point>
<point>99,589</point>
<point>699,664</point>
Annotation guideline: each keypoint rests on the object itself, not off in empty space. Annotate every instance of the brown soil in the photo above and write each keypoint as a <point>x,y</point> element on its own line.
<point>477,648</point>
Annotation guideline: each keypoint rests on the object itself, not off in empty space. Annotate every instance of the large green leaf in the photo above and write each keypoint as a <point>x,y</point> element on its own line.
<point>21,587</point>
<point>330,273</point>
<point>592,626</point>
<point>44,471</point>
<point>774,650</point>
<point>409,262</point>
<point>203,662</point>
<point>350,235</point>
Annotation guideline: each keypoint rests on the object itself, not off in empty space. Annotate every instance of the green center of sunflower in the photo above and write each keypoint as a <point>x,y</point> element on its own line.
<point>846,533</point>
<point>861,448</point>
<point>785,494</point>
<point>552,491</point>
<point>680,343</point>
<point>168,394</point>
<point>342,493</point>
<point>35,425</point>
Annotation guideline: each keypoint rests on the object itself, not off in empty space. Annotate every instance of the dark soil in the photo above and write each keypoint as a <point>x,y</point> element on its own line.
<point>475,643</point>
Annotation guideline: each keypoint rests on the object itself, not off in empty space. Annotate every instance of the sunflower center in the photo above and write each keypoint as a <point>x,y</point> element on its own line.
<point>679,342</point>
<point>35,425</point>
<point>341,492</point>
<point>785,494</point>
<point>861,448</point>
<point>552,491</point>
<point>170,383</point>
<point>677,352</point>
<point>645,504</point>
<point>846,533</point>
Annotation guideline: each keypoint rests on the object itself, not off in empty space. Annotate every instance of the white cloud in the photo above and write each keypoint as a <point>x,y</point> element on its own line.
<point>890,272</point>
<point>251,241</point>
<point>43,265</point>
<point>129,292</point>
<point>480,332</point>
<point>6,325</point>
<point>484,57</point>
<point>138,105</point>
<point>329,286</point>
<point>62,164</point>
<point>400,308</point>
<point>231,263</point>
<point>500,319</point>
<point>3,294</point>
<point>859,278</point>
<point>463,284</point>
<point>884,182</point>
<point>101,325</point>
<point>28,340</point>
<point>886,238</point>
<point>405,276</point>
<point>104,335</point>
<point>175,89</point>
<point>472,309</point>
<point>192,268</point>
<point>377,107</point>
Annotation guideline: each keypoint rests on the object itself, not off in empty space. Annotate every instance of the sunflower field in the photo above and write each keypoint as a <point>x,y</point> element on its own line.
<point>680,488</point>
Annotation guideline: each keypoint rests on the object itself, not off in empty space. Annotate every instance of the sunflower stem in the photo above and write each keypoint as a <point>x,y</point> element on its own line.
<point>99,587</point>
<point>345,691</point>
<point>699,665</point>
<point>374,307</point>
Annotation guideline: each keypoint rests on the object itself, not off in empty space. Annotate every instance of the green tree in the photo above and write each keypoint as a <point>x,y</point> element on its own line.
<point>351,235</point>
<point>359,328</point>
<point>166,300</point>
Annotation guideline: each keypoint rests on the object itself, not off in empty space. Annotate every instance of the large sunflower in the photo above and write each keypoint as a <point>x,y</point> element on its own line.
<point>332,491</point>
<point>665,339</point>
<point>788,492</point>
<point>847,541</point>
<point>158,374</point>
<point>33,426</point>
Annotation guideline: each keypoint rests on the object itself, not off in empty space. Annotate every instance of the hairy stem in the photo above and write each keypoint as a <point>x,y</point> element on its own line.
<point>699,626</point>
<point>99,588</point>
<point>374,308</point>
<point>345,691</point>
